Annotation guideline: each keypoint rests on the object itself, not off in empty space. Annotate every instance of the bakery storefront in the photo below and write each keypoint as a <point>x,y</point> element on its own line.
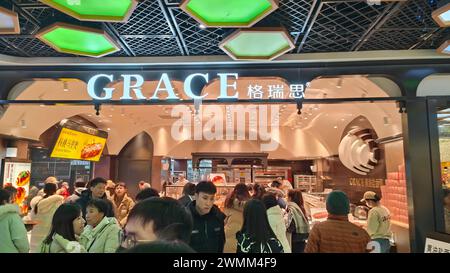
<point>331,123</point>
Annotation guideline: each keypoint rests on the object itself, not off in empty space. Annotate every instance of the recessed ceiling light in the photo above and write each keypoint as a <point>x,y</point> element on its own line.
<point>335,127</point>
<point>305,118</point>
<point>202,26</point>
<point>109,129</point>
<point>89,115</point>
<point>110,116</point>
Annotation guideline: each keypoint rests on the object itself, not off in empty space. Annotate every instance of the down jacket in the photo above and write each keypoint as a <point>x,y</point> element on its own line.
<point>13,235</point>
<point>104,238</point>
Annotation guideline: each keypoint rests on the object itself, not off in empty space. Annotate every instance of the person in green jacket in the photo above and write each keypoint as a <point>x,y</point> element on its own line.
<point>101,235</point>
<point>13,234</point>
<point>67,225</point>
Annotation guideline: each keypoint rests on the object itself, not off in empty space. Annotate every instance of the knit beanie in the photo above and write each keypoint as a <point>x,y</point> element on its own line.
<point>338,203</point>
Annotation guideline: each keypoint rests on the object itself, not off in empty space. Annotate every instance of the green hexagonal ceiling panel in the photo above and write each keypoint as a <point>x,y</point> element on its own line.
<point>257,44</point>
<point>78,40</point>
<point>229,13</point>
<point>95,10</point>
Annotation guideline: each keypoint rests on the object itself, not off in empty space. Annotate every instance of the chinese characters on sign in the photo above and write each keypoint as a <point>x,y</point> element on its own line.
<point>73,144</point>
<point>366,182</point>
<point>435,246</point>
<point>277,91</point>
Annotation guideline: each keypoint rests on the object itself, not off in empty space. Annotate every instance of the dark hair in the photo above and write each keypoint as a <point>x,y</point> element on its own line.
<point>240,192</point>
<point>146,193</point>
<point>50,189</point>
<point>101,205</point>
<point>4,196</point>
<point>189,189</point>
<point>98,180</point>
<point>297,197</point>
<point>122,184</point>
<point>276,184</point>
<point>161,246</point>
<point>269,200</point>
<point>171,221</point>
<point>80,184</point>
<point>11,189</point>
<point>446,192</point>
<point>256,224</point>
<point>62,222</point>
<point>258,191</point>
<point>206,187</point>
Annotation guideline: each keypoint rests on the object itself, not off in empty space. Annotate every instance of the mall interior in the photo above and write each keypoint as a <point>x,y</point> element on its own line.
<point>166,90</point>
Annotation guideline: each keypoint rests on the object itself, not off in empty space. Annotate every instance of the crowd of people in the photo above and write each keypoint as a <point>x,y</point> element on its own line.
<point>100,217</point>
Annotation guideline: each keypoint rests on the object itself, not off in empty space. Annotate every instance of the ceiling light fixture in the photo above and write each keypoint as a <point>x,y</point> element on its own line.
<point>9,22</point>
<point>442,15</point>
<point>78,40</point>
<point>444,48</point>
<point>228,13</point>
<point>95,10</point>
<point>257,43</point>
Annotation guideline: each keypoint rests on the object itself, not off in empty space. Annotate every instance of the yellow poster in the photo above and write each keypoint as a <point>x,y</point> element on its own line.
<point>73,144</point>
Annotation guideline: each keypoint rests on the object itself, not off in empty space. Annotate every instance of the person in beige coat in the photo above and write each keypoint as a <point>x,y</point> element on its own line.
<point>234,209</point>
<point>276,220</point>
<point>122,203</point>
<point>43,209</point>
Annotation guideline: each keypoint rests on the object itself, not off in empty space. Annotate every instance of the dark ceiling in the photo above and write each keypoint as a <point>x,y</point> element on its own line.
<point>161,28</point>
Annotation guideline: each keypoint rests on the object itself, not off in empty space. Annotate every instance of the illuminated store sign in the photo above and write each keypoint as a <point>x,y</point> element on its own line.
<point>133,84</point>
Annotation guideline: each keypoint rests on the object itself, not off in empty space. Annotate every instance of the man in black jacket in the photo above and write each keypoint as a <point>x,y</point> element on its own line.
<point>208,235</point>
<point>97,187</point>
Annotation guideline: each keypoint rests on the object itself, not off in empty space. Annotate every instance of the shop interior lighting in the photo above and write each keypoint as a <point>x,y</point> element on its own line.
<point>9,22</point>
<point>442,14</point>
<point>78,40</point>
<point>444,48</point>
<point>95,10</point>
<point>65,87</point>
<point>228,13</point>
<point>257,43</point>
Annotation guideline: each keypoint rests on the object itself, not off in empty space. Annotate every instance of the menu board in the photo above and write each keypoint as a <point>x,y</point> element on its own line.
<point>18,174</point>
<point>79,142</point>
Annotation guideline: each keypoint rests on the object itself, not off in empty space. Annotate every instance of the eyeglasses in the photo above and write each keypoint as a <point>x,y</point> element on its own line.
<point>129,240</point>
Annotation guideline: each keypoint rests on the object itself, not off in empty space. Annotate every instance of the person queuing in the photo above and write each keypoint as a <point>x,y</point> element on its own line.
<point>142,185</point>
<point>12,192</point>
<point>378,221</point>
<point>13,234</point>
<point>96,190</point>
<point>67,226</point>
<point>337,234</point>
<point>110,188</point>
<point>42,212</point>
<point>258,191</point>
<point>80,186</point>
<point>50,179</point>
<point>276,220</point>
<point>256,235</point>
<point>297,223</point>
<point>122,202</point>
<point>275,188</point>
<point>182,180</point>
<point>101,235</point>
<point>64,190</point>
<point>234,210</point>
<point>146,193</point>
<point>188,194</point>
<point>156,219</point>
<point>208,231</point>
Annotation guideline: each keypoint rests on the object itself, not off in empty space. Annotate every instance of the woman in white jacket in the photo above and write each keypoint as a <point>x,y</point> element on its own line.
<point>276,220</point>
<point>43,209</point>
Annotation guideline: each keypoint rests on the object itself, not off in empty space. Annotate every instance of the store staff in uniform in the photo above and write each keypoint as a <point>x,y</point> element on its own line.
<point>378,221</point>
<point>208,235</point>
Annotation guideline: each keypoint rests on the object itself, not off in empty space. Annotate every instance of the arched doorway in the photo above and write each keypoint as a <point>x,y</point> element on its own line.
<point>135,162</point>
